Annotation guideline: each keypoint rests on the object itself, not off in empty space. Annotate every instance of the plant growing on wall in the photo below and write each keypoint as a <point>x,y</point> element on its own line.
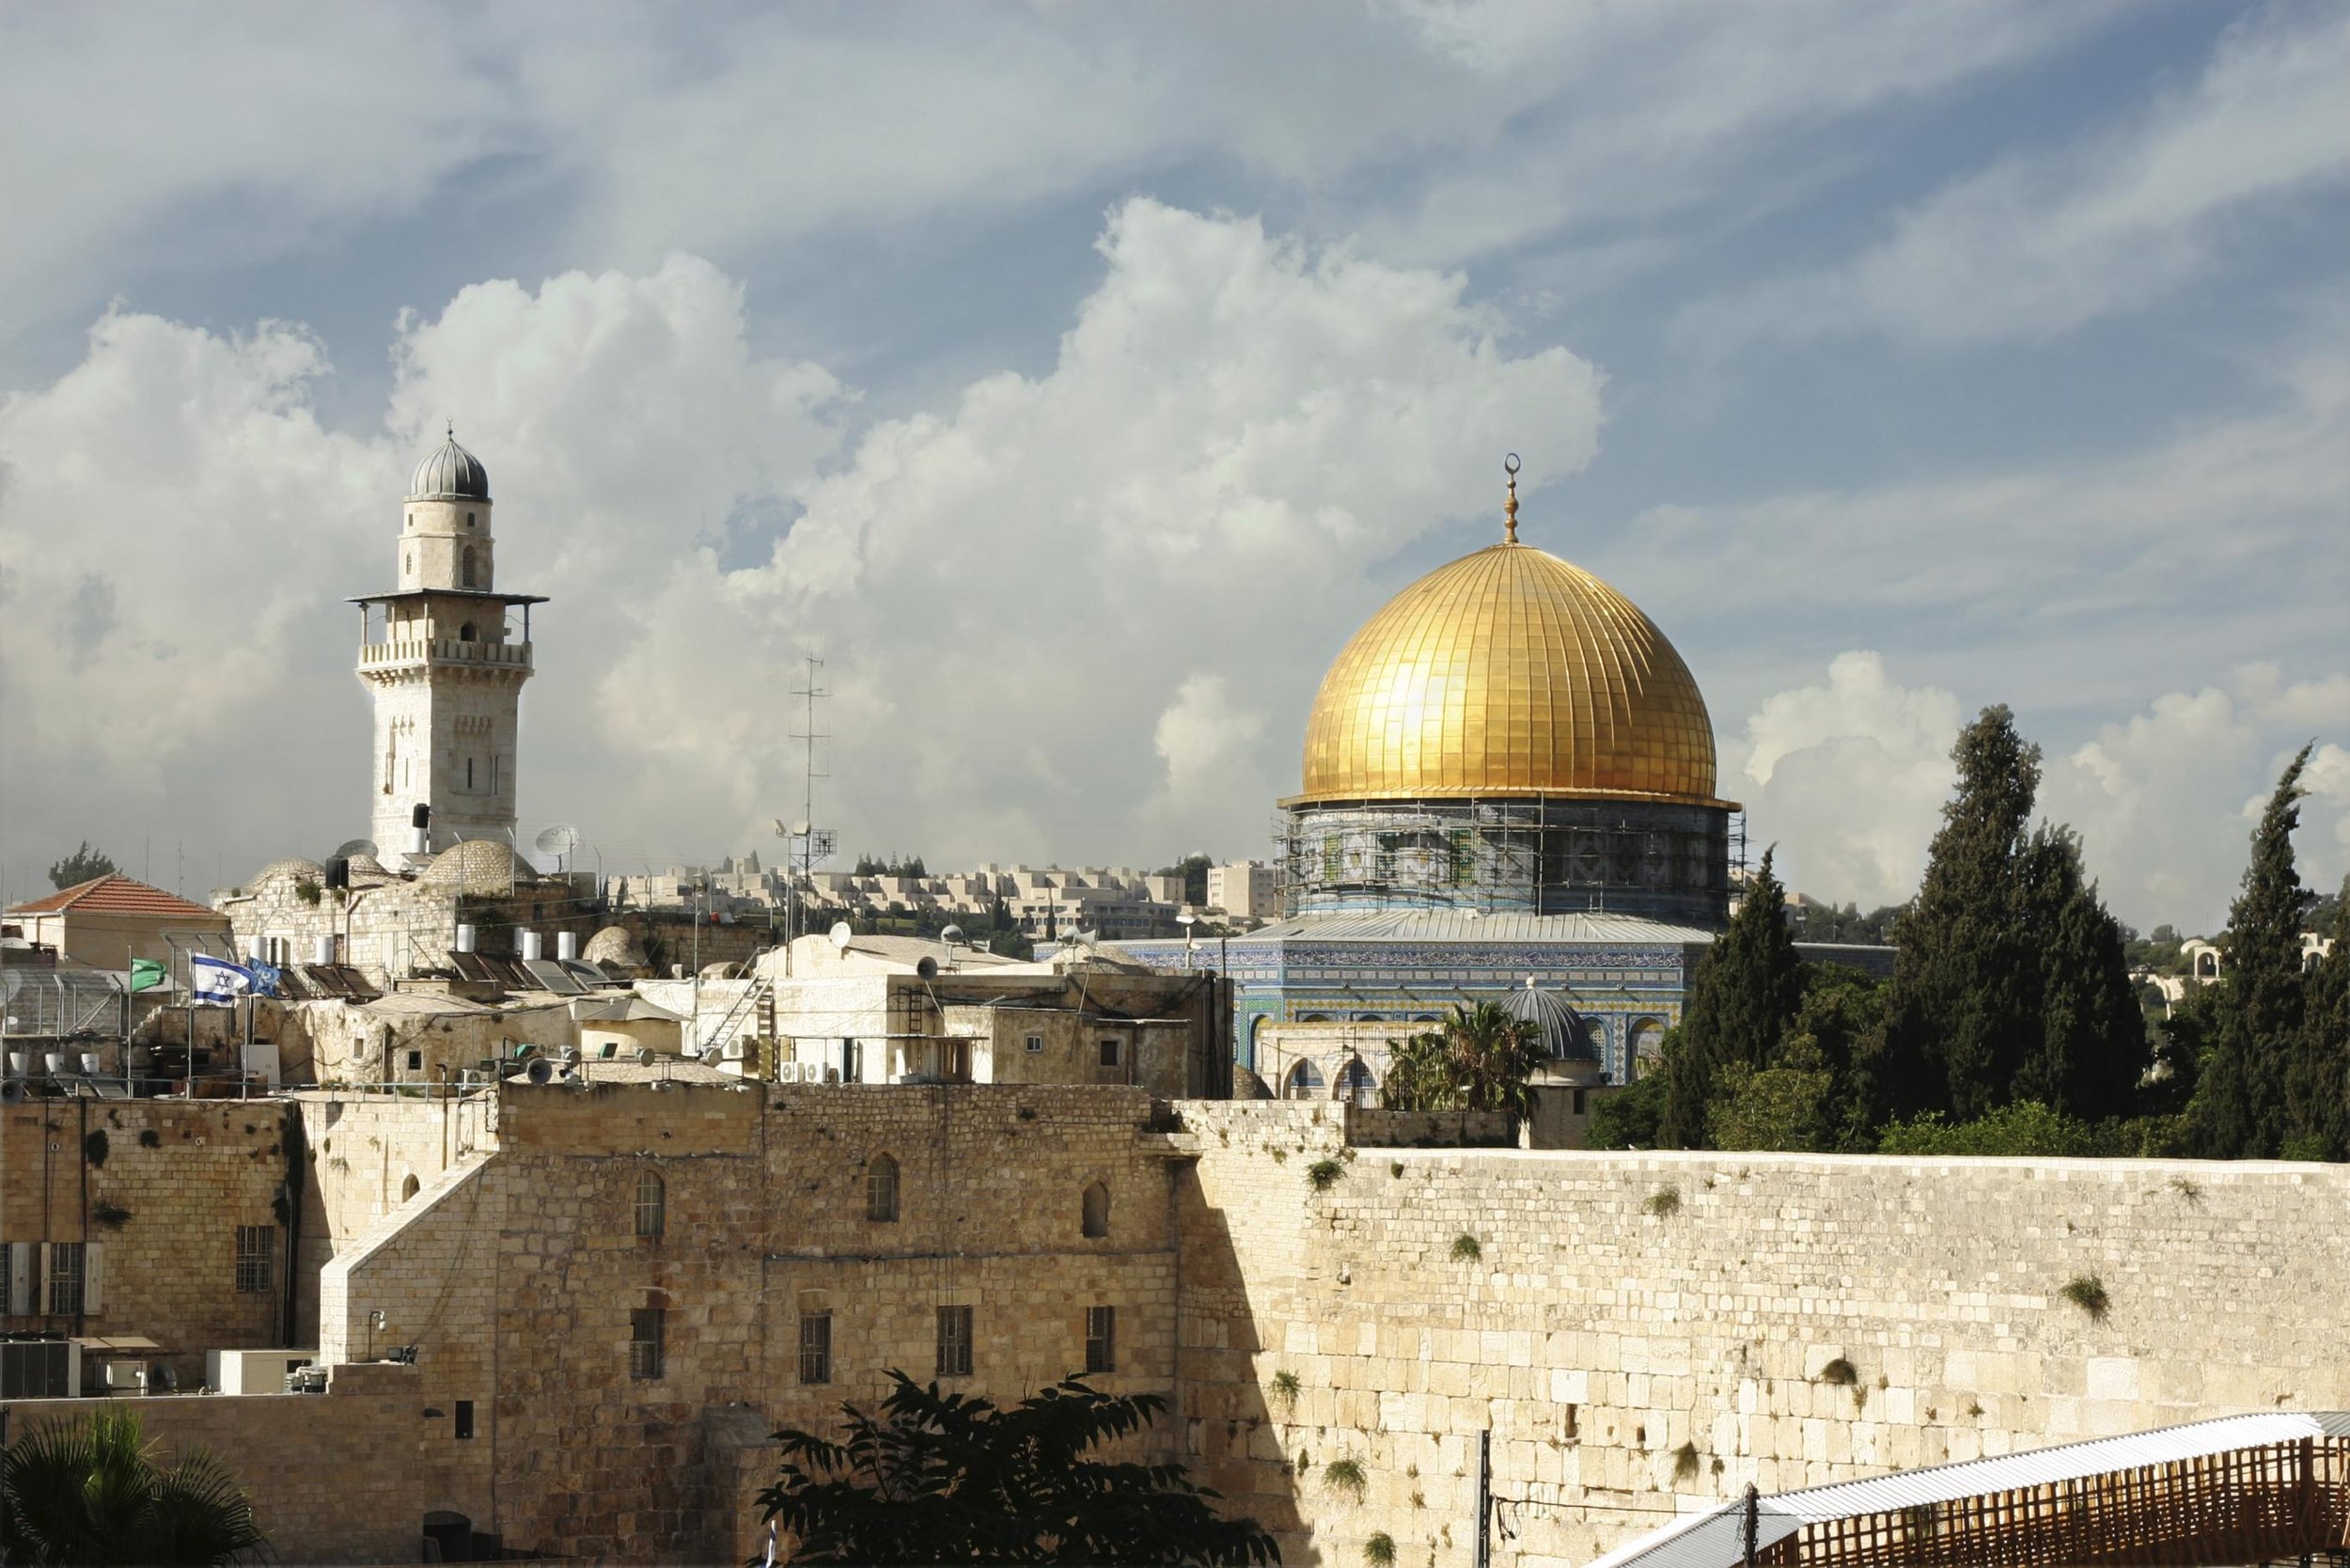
<point>112,1216</point>
<point>1325,1174</point>
<point>1379,1551</point>
<point>1663,1203</point>
<point>2088,1293</point>
<point>1285,1390</point>
<point>1465,1248</point>
<point>1685,1462</point>
<point>307,891</point>
<point>1346,1477</point>
<point>1839,1372</point>
<point>940,1478</point>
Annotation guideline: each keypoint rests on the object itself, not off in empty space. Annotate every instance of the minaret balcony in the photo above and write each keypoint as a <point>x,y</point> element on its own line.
<point>444,650</point>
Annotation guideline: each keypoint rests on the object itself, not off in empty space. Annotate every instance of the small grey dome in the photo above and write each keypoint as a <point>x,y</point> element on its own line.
<point>1564,1036</point>
<point>451,473</point>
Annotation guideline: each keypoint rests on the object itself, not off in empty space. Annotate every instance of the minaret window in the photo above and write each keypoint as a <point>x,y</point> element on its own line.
<point>468,566</point>
<point>468,519</point>
<point>464,633</point>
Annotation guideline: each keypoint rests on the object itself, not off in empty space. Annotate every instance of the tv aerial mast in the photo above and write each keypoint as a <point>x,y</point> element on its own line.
<point>804,843</point>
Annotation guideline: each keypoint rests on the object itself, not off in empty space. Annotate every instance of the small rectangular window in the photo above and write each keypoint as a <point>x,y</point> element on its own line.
<point>1109,1053</point>
<point>1101,1338</point>
<point>954,1342</point>
<point>65,1279</point>
<point>816,1347</point>
<point>1036,1042</point>
<point>464,1419</point>
<point>653,1205</point>
<point>416,1062</point>
<point>645,1334</point>
<point>254,1249</point>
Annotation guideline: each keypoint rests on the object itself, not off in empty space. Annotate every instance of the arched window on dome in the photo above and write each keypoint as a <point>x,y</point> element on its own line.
<point>1305,1082</point>
<point>466,570</point>
<point>1094,1210</point>
<point>1356,1084</point>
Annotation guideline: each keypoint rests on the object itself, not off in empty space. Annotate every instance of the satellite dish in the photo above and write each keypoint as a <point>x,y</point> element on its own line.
<point>351,848</point>
<point>953,933</point>
<point>714,1055</point>
<point>557,841</point>
<point>841,935</point>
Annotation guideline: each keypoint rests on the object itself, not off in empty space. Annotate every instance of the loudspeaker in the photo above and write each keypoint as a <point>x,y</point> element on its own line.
<point>339,872</point>
<point>541,1071</point>
<point>11,1091</point>
<point>422,816</point>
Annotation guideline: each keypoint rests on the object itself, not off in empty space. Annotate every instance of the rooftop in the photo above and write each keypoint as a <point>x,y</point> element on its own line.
<point>116,894</point>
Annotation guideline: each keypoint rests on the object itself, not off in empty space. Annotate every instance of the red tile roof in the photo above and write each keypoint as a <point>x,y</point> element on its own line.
<point>115,894</point>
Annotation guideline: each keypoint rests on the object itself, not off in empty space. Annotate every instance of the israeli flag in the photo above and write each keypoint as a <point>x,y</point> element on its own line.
<point>216,979</point>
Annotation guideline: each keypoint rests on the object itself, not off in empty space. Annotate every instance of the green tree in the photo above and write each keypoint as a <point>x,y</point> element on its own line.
<point>1786,1107</point>
<point>2317,1084</point>
<point>1741,1000</point>
<point>2241,1111</point>
<point>2089,1051</point>
<point>1962,997</point>
<point>1629,1116</point>
<point>84,865</point>
<point>934,1478</point>
<point>1479,1058</point>
<point>2023,1127</point>
<point>89,1493</point>
<point>1193,869</point>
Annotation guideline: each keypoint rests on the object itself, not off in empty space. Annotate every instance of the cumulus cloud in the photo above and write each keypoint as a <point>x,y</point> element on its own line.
<point>2041,241</point>
<point>1071,614</point>
<point>1849,777</point>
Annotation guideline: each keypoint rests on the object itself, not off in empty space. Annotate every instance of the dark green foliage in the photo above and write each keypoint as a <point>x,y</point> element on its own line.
<point>2317,1084</point>
<point>91,1493</point>
<point>2088,1293</point>
<point>890,865</point>
<point>1193,869</point>
<point>2025,1127</point>
<point>1324,1174</point>
<point>934,1477</point>
<point>1741,1000</point>
<point>1628,1117</point>
<point>2240,1110</point>
<point>96,1147</point>
<point>2012,982</point>
<point>1480,1058</point>
<point>84,865</point>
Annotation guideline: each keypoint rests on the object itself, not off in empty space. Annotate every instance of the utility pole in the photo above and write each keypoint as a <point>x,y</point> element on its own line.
<point>1484,1499</point>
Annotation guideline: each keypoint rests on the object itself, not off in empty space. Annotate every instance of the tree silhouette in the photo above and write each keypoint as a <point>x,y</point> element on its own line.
<point>84,865</point>
<point>91,1493</point>
<point>934,1477</point>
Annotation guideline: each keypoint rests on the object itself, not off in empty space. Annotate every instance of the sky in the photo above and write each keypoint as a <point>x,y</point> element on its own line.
<point>1073,381</point>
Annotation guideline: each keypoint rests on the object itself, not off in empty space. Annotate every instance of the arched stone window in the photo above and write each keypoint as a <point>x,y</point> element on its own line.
<point>1305,1082</point>
<point>652,1204</point>
<point>464,633</point>
<point>466,569</point>
<point>1356,1083</point>
<point>1096,1210</point>
<point>1647,1047</point>
<point>468,519</point>
<point>880,1190</point>
<point>409,1188</point>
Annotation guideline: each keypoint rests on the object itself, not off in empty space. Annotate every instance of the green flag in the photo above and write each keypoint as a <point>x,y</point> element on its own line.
<point>147,973</point>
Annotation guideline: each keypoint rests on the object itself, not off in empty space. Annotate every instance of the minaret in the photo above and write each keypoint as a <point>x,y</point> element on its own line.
<point>446,670</point>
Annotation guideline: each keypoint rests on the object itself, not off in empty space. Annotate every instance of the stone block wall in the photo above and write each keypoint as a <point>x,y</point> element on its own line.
<point>1644,1334</point>
<point>343,1477</point>
<point>163,1206</point>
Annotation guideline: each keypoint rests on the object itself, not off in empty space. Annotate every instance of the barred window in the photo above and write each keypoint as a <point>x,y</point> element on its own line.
<point>652,1204</point>
<point>816,1347</point>
<point>954,1342</point>
<point>644,1336</point>
<point>65,1279</point>
<point>1101,1338</point>
<point>256,1251</point>
<point>880,1189</point>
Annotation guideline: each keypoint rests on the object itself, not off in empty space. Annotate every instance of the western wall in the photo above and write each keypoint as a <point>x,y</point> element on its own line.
<point>1645,1333</point>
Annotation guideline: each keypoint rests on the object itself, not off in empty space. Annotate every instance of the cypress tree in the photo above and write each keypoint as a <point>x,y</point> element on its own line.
<point>1741,999</point>
<point>2317,1087</point>
<point>2091,1048</point>
<point>2241,1113</point>
<point>1963,1000</point>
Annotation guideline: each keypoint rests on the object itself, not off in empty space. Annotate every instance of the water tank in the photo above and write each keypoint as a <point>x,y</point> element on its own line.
<point>466,937</point>
<point>567,946</point>
<point>534,945</point>
<point>255,949</point>
<point>419,838</point>
<point>321,950</point>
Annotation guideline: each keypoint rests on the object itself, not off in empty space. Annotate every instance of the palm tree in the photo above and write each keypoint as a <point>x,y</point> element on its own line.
<point>951,1478</point>
<point>1479,1058</point>
<point>90,1494</point>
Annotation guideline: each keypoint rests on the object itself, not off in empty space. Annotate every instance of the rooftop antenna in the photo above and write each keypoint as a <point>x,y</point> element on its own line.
<point>804,842</point>
<point>1509,508</point>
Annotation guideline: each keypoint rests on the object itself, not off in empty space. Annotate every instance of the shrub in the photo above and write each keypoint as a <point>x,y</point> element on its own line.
<point>112,1216</point>
<point>2088,1293</point>
<point>150,1138</point>
<point>95,1148</point>
<point>1396,1171</point>
<point>1685,1462</point>
<point>1346,1476</point>
<point>1325,1174</point>
<point>2187,1189</point>
<point>1379,1551</point>
<point>1663,1202</point>
<point>1285,1389</point>
<point>307,891</point>
<point>1465,1248</point>
<point>2027,1127</point>
<point>1839,1370</point>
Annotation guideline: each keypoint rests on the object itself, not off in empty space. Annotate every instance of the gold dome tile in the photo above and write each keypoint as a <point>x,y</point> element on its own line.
<point>1509,672</point>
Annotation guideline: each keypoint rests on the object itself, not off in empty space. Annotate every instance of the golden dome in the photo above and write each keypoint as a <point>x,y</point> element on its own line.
<point>1509,672</point>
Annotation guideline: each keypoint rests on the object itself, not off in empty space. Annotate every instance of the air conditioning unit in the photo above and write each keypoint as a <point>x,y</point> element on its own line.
<point>123,1377</point>
<point>791,1072</point>
<point>831,1075</point>
<point>735,1050</point>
